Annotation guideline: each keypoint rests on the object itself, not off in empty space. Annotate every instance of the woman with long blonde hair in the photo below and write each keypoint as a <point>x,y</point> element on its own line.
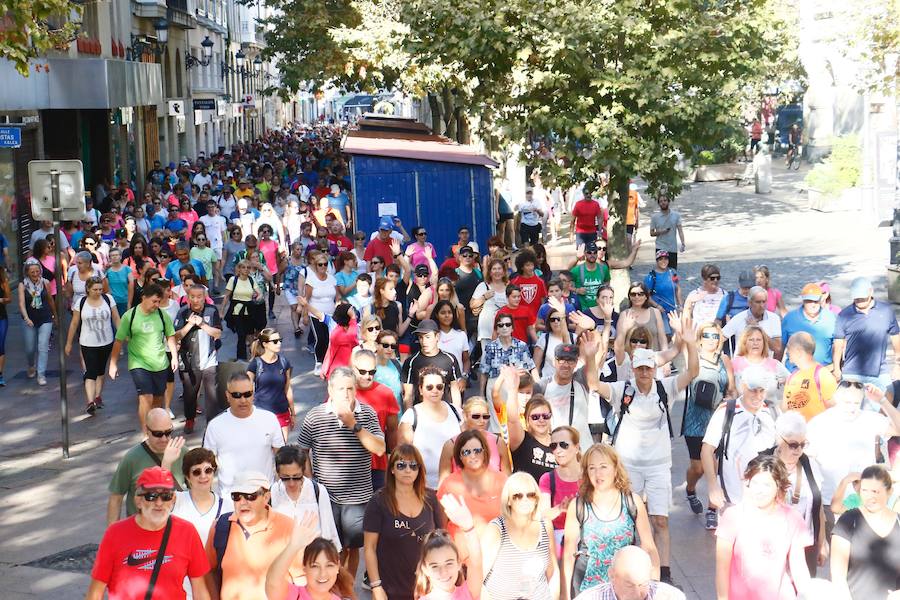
<point>605,516</point>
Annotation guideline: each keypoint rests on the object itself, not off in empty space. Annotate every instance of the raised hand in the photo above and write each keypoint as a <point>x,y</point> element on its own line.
<point>173,450</point>
<point>688,331</point>
<point>306,529</point>
<point>675,321</point>
<point>590,345</point>
<point>579,319</point>
<point>456,510</point>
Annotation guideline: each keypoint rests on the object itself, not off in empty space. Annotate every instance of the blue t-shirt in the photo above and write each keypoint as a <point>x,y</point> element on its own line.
<point>118,284</point>
<point>867,338</point>
<point>74,241</point>
<point>269,383</point>
<point>176,225</point>
<point>822,331</point>
<point>157,222</point>
<point>175,266</point>
<point>347,279</point>
<point>739,304</point>
<point>662,288</point>
<point>339,203</point>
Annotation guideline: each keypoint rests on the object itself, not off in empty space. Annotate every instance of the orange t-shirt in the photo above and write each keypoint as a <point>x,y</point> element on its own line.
<point>246,560</point>
<point>631,217</point>
<point>484,508</point>
<point>805,395</point>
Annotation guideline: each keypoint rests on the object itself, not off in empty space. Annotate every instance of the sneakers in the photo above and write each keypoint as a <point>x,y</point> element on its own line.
<point>189,426</point>
<point>41,380</point>
<point>31,372</point>
<point>98,402</point>
<point>695,503</point>
<point>366,585</point>
<point>91,408</point>
<point>712,519</point>
<point>318,370</point>
<point>2,381</point>
<point>272,316</point>
<point>171,414</point>
<point>297,333</point>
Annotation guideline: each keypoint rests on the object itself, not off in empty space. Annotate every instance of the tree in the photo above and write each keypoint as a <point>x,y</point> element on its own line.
<point>29,28</point>
<point>619,86</point>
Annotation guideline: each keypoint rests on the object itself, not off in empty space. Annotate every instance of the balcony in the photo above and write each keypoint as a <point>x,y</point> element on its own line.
<point>180,13</point>
<point>149,9</point>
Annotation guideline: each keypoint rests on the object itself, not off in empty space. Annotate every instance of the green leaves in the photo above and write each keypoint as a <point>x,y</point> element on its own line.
<point>30,28</point>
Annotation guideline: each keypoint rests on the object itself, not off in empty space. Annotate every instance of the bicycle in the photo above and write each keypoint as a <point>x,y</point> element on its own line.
<point>794,155</point>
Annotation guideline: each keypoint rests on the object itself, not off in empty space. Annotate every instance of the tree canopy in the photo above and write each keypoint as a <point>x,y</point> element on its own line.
<point>29,28</point>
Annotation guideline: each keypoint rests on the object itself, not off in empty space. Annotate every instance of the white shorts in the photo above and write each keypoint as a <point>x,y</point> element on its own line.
<point>290,296</point>
<point>654,484</point>
<point>218,252</point>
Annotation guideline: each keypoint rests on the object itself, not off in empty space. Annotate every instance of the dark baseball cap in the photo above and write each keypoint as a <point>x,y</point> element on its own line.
<point>566,352</point>
<point>426,326</point>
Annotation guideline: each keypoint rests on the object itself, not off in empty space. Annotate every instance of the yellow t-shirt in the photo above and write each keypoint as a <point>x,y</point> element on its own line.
<point>803,394</point>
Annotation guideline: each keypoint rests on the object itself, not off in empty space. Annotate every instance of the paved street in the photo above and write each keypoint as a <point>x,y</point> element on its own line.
<point>53,505</point>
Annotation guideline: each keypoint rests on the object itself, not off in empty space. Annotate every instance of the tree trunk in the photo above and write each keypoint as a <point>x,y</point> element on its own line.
<point>437,120</point>
<point>449,101</point>
<point>463,133</point>
<point>617,193</point>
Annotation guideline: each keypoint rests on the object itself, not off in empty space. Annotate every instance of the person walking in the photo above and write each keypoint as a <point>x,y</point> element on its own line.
<point>149,333</point>
<point>703,303</point>
<point>94,320</point>
<point>243,312</point>
<point>5,298</point>
<point>270,371</point>
<point>198,330</point>
<point>812,319</point>
<point>36,306</point>
<point>321,293</point>
<point>664,225</point>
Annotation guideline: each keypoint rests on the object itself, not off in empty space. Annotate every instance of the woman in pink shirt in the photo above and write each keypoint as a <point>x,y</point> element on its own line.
<point>775,301</point>
<point>342,341</point>
<point>186,213</point>
<point>419,251</point>
<point>325,578</point>
<point>760,542</point>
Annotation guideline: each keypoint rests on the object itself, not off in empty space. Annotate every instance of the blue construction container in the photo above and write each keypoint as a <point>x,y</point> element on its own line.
<point>423,179</point>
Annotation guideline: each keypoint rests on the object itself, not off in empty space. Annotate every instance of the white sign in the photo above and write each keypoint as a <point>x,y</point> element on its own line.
<point>176,108</point>
<point>220,107</point>
<point>388,209</point>
<point>71,189</point>
<point>127,115</point>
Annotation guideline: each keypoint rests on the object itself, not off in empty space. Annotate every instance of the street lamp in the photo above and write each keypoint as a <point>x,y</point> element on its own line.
<point>142,44</point>
<point>258,64</point>
<point>162,30</point>
<point>206,47</point>
<point>239,58</point>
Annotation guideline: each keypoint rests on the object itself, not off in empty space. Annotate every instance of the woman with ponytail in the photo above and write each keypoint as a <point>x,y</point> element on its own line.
<point>270,373</point>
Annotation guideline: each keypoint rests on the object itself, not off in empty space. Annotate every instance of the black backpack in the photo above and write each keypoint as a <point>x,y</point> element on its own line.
<point>724,441</point>
<point>105,299</point>
<point>626,403</point>
<point>133,310</point>
<point>415,422</point>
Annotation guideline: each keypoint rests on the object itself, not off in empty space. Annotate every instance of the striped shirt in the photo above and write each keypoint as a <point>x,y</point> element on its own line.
<point>340,462</point>
<point>658,591</point>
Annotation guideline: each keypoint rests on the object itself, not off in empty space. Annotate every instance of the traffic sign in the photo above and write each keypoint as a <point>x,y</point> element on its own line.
<point>70,174</point>
<point>10,137</point>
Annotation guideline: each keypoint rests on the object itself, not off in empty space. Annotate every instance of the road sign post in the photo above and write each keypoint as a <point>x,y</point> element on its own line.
<point>63,181</point>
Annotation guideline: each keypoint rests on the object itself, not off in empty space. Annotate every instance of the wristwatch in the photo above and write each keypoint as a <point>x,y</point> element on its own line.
<point>357,428</point>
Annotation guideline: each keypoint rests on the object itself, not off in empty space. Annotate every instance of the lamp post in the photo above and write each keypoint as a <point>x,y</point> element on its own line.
<point>206,48</point>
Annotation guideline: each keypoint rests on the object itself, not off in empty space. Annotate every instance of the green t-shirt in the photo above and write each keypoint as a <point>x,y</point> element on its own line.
<point>206,256</point>
<point>124,480</point>
<point>590,281</point>
<point>147,345</point>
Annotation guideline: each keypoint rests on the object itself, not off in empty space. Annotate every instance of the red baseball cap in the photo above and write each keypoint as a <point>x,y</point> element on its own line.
<point>156,478</point>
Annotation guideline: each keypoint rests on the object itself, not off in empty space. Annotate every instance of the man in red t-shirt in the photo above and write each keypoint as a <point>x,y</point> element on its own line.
<point>336,236</point>
<point>588,216</point>
<point>129,549</point>
<point>382,399</point>
<point>523,320</point>
<point>382,244</point>
<point>533,288</point>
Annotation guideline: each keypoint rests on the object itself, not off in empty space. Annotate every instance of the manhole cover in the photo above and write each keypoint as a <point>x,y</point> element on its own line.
<point>76,560</point>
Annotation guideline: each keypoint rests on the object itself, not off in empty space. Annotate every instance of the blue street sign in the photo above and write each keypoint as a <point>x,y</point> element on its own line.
<point>10,137</point>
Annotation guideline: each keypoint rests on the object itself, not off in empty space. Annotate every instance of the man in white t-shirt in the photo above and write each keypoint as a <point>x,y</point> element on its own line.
<point>244,438</point>
<point>757,315</point>
<point>843,438</point>
<point>750,431</point>
<point>643,432</point>
<point>202,178</point>
<point>568,390</point>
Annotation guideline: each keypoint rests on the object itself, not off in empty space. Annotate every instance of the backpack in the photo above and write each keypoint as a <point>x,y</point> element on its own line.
<point>581,556</point>
<point>133,309</point>
<point>282,363</point>
<point>663,405</point>
<point>415,422</point>
<point>704,393</point>
<point>105,299</point>
<point>724,441</point>
<point>547,345</point>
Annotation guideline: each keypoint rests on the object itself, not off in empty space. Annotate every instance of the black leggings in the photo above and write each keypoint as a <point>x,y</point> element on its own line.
<point>95,360</point>
<point>320,331</point>
<point>193,381</point>
<point>243,326</point>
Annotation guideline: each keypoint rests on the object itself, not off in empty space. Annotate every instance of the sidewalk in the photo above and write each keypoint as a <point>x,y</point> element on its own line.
<point>54,505</point>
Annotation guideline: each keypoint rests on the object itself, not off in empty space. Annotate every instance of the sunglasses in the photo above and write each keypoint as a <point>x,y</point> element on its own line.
<point>291,477</point>
<point>641,342</point>
<point>275,341</point>
<point>199,472</point>
<point>854,384</point>
<point>710,336</point>
<point>481,416</point>
<point>434,386</point>
<point>201,239</point>
<point>390,346</point>
<point>520,496</point>
<point>554,319</point>
<point>152,496</point>
<point>421,233</point>
<point>89,244</point>
<point>714,277</point>
<point>324,264</point>
<point>564,445</point>
<point>161,434</point>
<point>796,445</point>
<point>237,395</point>
<point>377,262</point>
<point>470,451</point>
<point>370,372</point>
<point>638,294</point>
<point>373,328</point>
<point>236,496</point>
<point>402,465</point>
<point>540,416</point>
<point>504,325</point>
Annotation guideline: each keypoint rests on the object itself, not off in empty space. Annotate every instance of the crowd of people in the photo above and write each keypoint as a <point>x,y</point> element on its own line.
<point>492,428</point>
